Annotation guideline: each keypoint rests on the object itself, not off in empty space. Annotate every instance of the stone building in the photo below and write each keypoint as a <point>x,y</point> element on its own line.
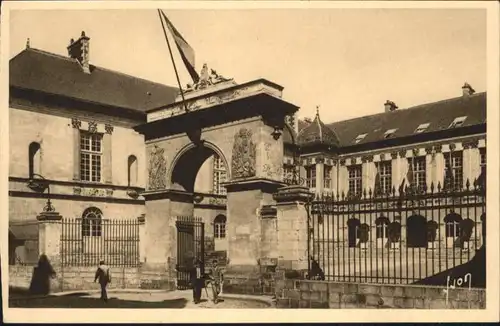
<point>430,146</point>
<point>71,123</point>
<point>113,146</point>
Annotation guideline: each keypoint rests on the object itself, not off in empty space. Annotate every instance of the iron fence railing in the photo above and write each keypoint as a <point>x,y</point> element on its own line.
<point>84,242</point>
<point>394,238</point>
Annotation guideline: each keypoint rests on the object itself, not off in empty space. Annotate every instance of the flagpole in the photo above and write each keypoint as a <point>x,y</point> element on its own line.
<point>173,62</point>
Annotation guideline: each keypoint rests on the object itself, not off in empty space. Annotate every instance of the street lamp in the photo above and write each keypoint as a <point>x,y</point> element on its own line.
<point>41,185</point>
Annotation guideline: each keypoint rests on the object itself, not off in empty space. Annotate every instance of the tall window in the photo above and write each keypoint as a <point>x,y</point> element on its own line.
<point>385,172</point>
<point>34,159</point>
<point>327,177</point>
<point>132,170</point>
<point>288,171</point>
<point>92,222</point>
<point>90,156</point>
<point>219,175</point>
<point>419,170</point>
<point>355,180</point>
<point>311,176</point>
<point>482,153</point>
<point>455,162</point>
<point>220,227</point>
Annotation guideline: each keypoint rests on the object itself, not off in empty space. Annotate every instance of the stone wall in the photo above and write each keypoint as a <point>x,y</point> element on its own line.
<point>292,293</point>
<point>260,281</point>
<point>20,276</point>
<point>82,278</point>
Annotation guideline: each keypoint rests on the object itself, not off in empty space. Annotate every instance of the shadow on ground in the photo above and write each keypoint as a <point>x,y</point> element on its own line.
<point>81,300</point>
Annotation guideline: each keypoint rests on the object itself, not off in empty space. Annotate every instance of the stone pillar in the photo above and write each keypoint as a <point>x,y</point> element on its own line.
<point>343,178</point>
<point>49,242</point>
<point>163,208</point>
<point>292,227</point>
<point>320,166</point>
<point>245,198</point>
<point>142,237</point>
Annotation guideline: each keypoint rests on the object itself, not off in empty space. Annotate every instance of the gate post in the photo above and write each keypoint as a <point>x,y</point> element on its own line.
<point>49,243</point>
<point>292,227</point>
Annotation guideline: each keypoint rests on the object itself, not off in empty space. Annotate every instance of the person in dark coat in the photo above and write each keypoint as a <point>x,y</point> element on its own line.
<point>42,273</point>
<point>197,279</point>
<point>316,271</point>
<point>104,276</point>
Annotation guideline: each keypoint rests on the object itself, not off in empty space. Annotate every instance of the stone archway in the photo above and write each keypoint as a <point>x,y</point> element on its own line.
<point>242,124</point>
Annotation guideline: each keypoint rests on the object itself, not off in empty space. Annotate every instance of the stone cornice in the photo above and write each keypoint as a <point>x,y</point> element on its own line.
<point>80,184</point>
<point>27,194</point>
<point>219,96</point>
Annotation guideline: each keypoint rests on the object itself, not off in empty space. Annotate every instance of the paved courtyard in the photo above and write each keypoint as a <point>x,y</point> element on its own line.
<point>139,299</point>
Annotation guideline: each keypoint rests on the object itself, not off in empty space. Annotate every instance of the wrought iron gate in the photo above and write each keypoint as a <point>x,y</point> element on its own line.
<point>190,246</point>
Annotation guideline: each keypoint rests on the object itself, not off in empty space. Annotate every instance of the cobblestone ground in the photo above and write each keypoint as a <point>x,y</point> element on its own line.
<point>174,299</point>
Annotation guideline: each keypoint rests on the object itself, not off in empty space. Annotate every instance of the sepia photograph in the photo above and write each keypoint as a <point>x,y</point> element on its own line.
<point>242,156</point>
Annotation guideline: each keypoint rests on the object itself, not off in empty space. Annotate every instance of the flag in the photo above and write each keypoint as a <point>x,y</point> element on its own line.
<point>186,51</point>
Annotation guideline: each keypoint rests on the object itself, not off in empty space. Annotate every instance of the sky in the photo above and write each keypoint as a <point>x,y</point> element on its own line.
<point>346,61</point>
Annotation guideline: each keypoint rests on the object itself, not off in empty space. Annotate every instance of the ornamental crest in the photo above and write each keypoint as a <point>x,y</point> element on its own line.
<point>206,79</point>
<point>157,169</point>
<point>244,153</point>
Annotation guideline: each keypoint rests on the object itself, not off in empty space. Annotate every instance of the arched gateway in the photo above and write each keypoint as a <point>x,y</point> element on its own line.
<point>241,125</point>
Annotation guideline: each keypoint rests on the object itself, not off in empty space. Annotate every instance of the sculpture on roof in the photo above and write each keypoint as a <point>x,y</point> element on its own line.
<point>206,79</point>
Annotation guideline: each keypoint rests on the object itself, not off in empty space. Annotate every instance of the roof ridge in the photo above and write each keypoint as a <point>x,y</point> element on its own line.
<point>95,66</point>
<point>416,107</point>
<point>49,53</point>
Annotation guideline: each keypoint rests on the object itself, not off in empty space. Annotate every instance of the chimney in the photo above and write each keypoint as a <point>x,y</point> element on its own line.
<point>467,90</point>
<point>390,106</point>
<point>79,50</point>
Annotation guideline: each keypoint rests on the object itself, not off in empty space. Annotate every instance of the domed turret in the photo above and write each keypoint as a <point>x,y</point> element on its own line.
<point>317,134</point>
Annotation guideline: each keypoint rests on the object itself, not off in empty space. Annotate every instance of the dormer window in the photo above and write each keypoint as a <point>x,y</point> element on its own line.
<point>458,122</point>
<point>389,133</point>
<point>360,138</point>
<point>421,128</point>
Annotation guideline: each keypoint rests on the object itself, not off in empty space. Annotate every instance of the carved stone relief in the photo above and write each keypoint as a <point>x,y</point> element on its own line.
<point>92,126</point>
<point>76,123</point>
<point>244,155</point>
<point>157,169</point>
<point>109,128</point>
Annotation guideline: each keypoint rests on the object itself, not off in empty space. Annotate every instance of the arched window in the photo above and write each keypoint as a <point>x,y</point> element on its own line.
<point>432,227</point>
<point>219,175</point>
<point>132,170</point>
<point>466,229</point>
<point>352,231</point>
<point>394,231</point>
<point>452,225</point>
<point>34,159</point>
<point>416,231</point>
<point>220,227</point>
<point>381,224</point>
<point>92,222</point>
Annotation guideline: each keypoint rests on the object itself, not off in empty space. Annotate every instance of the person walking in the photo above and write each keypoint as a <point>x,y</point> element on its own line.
<point>196,279</point>
<point>104,276</point>
<point>215,280</point>
<point>42,273</point>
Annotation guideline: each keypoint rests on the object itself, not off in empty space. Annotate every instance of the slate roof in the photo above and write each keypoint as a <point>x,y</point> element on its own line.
<point>439,115</point>
<point>46,72</point>
<point>317,133</point>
